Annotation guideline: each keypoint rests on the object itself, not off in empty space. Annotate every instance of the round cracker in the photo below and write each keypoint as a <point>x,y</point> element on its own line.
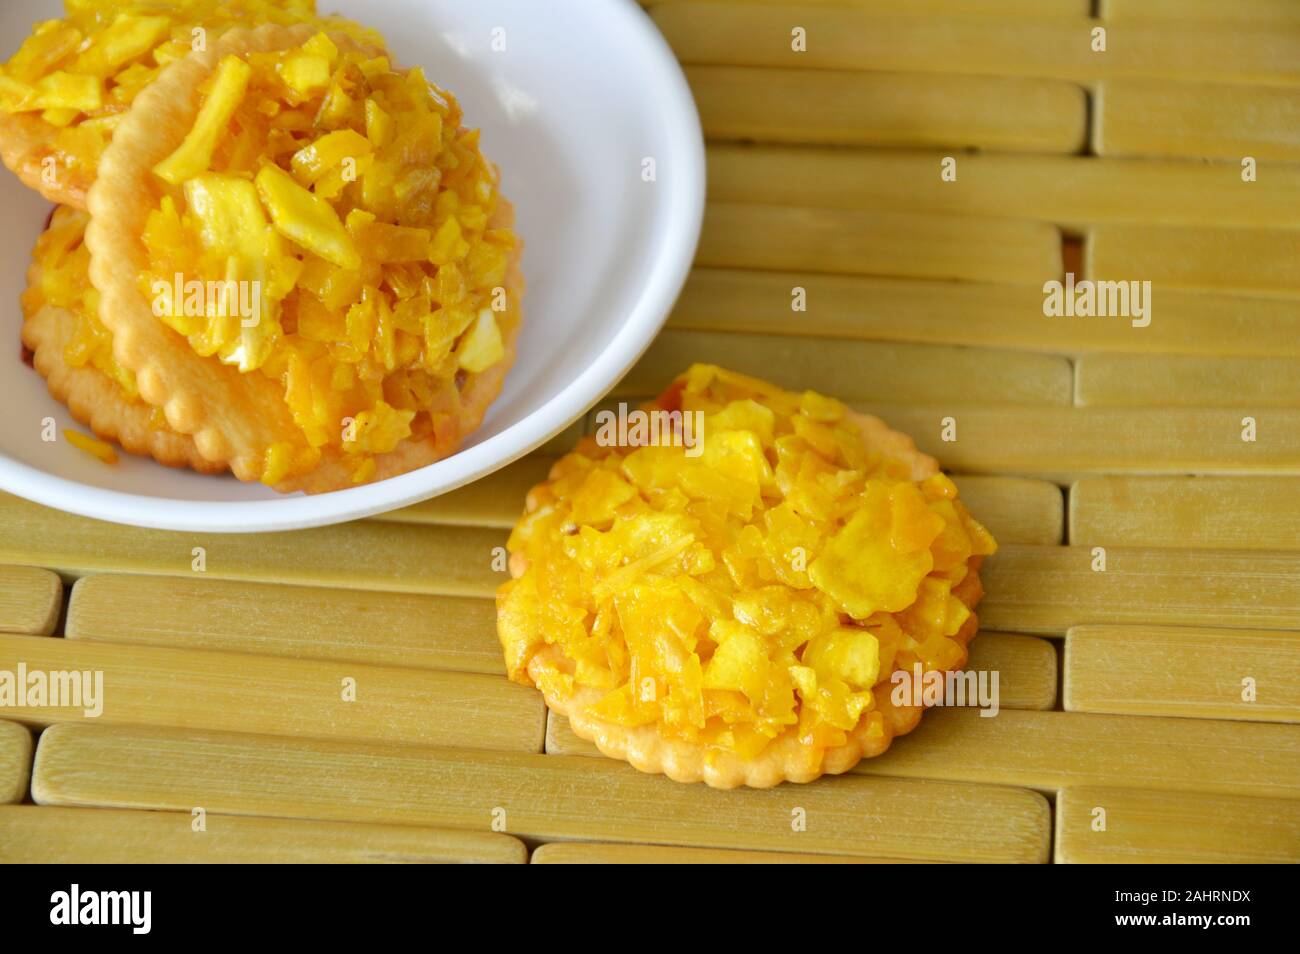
<point>785,759</point>
<point>93,397</point>
<point>232,417</point>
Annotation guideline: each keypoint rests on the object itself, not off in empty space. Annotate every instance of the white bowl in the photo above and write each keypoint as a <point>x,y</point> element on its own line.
<point>582,93</point>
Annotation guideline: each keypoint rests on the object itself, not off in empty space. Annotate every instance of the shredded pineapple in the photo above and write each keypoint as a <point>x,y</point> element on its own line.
<point>92,446</point>
<point>765,586</point>
<point>65,283</point>
<point>350,193</point>
<point>82,71</point>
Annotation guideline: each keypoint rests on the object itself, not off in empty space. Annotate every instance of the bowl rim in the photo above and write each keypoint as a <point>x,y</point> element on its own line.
<point>685,215</point>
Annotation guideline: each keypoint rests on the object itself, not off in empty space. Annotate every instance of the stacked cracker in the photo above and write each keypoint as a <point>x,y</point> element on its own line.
<point>379,251</point>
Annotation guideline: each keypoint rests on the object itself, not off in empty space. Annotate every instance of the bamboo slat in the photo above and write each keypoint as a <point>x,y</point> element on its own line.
<point>581,853</point>
<point>356,626</point>
<point>727,34</point>
<point>197,689</point>
<point>1072,192</point>
<point>15,762</point>
<point>30,600</point>
<point>1195,672</point>
<point>1051,750</point>
<point>363,555</point>
<point>1134,380</point>
<point>1070,442</point>
<point>1013,509</point>
<point>897,244</point>
<point>889,109</point>
<point>48,835</point>
<point>1020,8</point>
<point>1026,667</point>
<point>1196,120</point>
<point>1047,750</point>
<point>494,501</point>
<point>535,796</point>
<point>1174,828</point>
<point>972,313</point>
<point>1246,11</point>
<point>899,372</point>
<point>1050,589</point>
<point>1255,261</point>
<point>1231,513</point>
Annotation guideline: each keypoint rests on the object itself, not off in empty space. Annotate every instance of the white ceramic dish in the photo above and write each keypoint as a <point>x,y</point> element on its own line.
<point>581,94</point>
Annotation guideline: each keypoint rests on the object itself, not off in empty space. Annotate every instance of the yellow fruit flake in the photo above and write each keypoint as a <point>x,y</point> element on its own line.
<point>195,153</point>
<point>770,584</point>
<point>90,445</point>
<point>64,282</point>
<point>83,71</point>
<point>351,195</point>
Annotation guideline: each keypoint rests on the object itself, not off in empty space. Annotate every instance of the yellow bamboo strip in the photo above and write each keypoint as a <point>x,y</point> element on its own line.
<point>494,501</point>
<point>1281,11</point>
<point>1026,667</point>
<point>889,109</point>
<point>1050,589</point>
<point>1047,750</point>
<point>971,313</point>
<point>363,555</point>
<point>1072,192</point>
<point>582,853</point>
<point>196,689</point>
<point>1174,828</point>
<point>30,600</point>
<point>1054,442</point>
<point>1258,261</point>
<point>1191,380</point>
<point>1232,513</point>
<point>15,762</point>
<point>1199,673</point>
<point>858,370</point>
<point>48,835</point>
<point>541,797</point>
<point>726,34</point>
<point>1197,120</point>
<point>898,244</point>
<point>561,740</point>
<point>1018,8</point>
<point>1015,510</point>
<point>356,626</point>
<point>1051,750</point>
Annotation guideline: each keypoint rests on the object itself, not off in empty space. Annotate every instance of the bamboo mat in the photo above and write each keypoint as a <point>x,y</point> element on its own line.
<point>338,694</point>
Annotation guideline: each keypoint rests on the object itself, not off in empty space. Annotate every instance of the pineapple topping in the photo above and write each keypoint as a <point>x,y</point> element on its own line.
<point>766,585</point>
<point>358,221</point>
<point>81,74</point>
<point>64,282</point>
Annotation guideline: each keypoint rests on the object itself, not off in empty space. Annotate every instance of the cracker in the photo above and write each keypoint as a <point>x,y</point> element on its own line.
<point>232,417</point>
<point>785,759</point>
<point>28,140</point>
<point>93,397</point>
